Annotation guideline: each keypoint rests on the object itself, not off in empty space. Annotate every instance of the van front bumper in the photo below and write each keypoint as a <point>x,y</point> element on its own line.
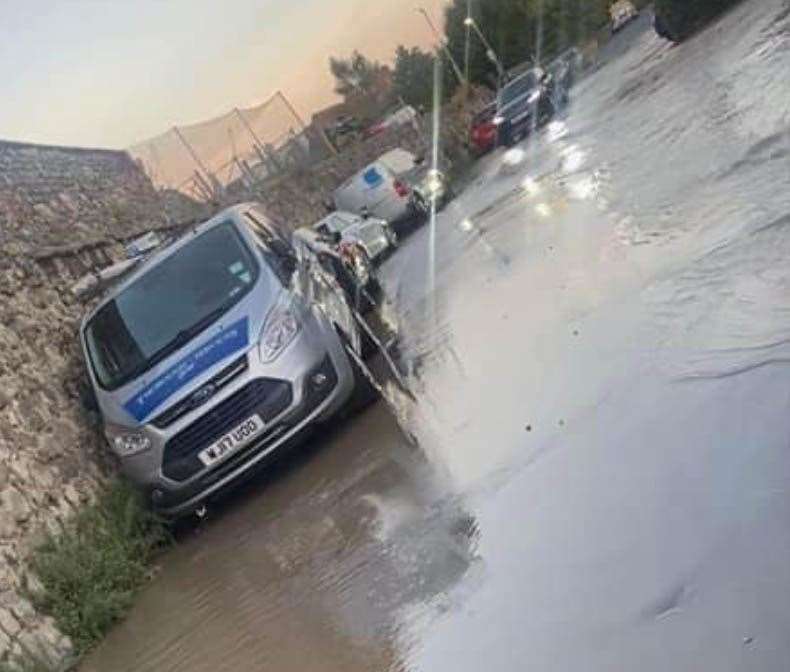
<point>315,405</point>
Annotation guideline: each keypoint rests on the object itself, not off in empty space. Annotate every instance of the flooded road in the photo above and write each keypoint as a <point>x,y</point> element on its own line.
<point>600,356</point>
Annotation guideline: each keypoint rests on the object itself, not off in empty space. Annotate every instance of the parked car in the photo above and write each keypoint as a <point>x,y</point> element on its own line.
<point>345,261</point>
<point>344,130</point>
<point>375,236</point>
<point>428,183</point>
<point>524,103</point>
<point>483,132</point>
<point>622,13</point>
<point>211,356</point>
<point>378,192</point>
<point>677,19</point>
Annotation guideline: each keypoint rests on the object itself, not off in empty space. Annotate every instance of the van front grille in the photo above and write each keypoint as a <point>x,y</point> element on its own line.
<point>268,398</point>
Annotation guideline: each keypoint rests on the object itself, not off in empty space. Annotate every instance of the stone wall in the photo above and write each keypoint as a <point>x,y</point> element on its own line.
<point>63,213</point>
<point>52,196</point>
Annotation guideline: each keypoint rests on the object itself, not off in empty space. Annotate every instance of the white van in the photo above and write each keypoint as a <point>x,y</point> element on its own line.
<point>377,191</point>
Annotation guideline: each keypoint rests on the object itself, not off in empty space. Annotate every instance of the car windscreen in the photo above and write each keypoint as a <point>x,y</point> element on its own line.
<point>170,304</point>
<point>339,223</point>
<point>519,87</point>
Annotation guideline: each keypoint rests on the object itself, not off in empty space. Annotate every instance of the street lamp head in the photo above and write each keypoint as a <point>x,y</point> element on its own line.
<point>469,21</point>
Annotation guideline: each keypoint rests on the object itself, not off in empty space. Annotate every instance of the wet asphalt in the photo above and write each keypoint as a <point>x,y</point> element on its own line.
<point>593,473</point>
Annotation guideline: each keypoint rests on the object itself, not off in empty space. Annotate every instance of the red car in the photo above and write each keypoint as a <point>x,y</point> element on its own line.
<point>483,134</point>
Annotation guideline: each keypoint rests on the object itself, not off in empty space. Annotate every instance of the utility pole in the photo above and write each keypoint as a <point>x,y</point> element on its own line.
<point>443,45</point>
<point>467,46</point>
<point>471,23</point>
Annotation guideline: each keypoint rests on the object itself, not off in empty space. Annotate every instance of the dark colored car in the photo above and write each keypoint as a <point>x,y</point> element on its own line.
<point>483,132</point>
<point>524,103</point>
<point>677,19</point>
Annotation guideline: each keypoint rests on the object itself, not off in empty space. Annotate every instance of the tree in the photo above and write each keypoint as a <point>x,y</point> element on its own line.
<point>355,76</point>
<point>521,31</point>
<point>413,76</point>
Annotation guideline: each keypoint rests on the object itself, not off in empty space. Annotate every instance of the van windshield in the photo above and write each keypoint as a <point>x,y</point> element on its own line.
<point>172,303</point>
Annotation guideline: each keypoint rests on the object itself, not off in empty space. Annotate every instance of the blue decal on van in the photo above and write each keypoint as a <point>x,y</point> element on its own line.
<point>372,177</point>
<point>224,344</point>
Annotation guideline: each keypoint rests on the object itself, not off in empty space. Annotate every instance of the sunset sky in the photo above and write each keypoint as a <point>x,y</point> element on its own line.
<point>110,73</point>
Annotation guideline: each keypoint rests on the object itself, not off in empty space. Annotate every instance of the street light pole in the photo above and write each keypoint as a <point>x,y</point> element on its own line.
<point>468,44</point>
<point>443,42</point>
<point>471,23</point>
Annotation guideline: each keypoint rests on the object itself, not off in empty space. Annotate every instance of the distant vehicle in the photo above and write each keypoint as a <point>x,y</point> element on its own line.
<point>677,19</point>
<point>524,103</point>
<point>483,132</point>
<point>404,115</point>
<point>429,184</point>
<point>622,13</point>
<point>344,130</point>
<point>375,236</point>
<point>566,68</point>
<point>211,356</point>
<point>378,192</point>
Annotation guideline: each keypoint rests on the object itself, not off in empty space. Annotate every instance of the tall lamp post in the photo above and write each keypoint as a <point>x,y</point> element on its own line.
<point>469,22</point>
<point>443,42</point>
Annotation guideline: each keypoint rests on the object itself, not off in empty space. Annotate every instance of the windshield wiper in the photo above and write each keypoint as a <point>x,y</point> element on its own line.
<point>185,335</point>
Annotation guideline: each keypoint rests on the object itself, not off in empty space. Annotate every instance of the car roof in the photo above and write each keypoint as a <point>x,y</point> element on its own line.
<point>337,213</point>
<point>535,72</point>
<point>233,214</point>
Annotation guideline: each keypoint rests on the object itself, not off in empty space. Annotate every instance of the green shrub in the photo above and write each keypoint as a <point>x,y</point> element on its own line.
<point>683,17</point>
<point>91,572</point>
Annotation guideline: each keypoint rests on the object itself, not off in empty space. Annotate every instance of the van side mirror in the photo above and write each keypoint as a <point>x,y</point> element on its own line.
<point>419,160</point>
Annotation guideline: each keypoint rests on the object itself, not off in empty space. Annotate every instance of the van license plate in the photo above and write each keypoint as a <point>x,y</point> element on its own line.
<point>232,441</point>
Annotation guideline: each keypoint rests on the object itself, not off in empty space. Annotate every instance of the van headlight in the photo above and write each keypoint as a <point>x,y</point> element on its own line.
<point>127,443</point>
<point>279,331</point>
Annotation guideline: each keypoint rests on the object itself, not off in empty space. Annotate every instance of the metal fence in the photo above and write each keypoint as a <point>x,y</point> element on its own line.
<point>248,144</point>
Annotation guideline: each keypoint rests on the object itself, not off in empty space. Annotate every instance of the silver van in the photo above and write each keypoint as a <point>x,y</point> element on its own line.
<point>216,352</point>
<point>377,191</point>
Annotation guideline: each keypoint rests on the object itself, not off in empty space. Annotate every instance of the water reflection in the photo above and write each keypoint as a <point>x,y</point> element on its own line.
<point>310,568</point>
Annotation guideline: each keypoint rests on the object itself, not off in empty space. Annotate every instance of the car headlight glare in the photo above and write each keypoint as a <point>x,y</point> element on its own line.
<point>279,331</point>
<point>498,120</point>
<point>433,184</point>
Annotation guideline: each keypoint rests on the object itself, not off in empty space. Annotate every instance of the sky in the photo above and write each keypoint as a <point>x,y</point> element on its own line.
<point>110,73</point>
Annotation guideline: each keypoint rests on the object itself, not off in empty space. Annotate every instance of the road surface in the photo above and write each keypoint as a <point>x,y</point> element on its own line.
<point>599,346</point>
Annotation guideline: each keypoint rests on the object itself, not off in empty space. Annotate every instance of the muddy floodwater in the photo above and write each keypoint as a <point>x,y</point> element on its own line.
<point>597,474</point>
